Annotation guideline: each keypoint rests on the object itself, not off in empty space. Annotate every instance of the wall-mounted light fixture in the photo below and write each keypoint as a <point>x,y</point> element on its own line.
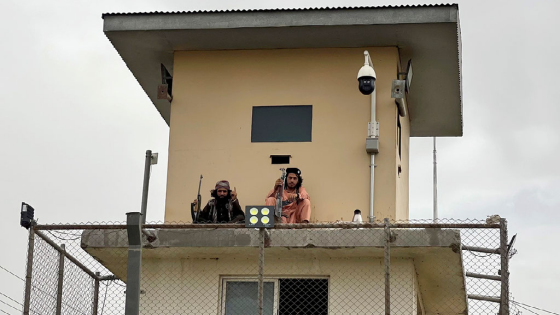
<point>259,216</point>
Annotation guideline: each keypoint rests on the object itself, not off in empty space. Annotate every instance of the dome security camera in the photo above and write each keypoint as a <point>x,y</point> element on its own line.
<point>366,79</point>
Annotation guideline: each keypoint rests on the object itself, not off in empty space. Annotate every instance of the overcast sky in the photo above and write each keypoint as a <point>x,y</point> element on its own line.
<point>75,124</point>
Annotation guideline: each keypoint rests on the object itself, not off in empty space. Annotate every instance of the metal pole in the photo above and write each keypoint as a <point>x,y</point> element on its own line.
<point>435,183</point>
<point>504,270</point>
<point>387,263</point>
<point>371,187</point>
<point>372,157</point>
<point>484,298</point>
<point>134,266</point>
<point>29,272</point>
<point>96,294</point>
<point>60,280</point>
<point>481,276</point>
<point>147,165</point>
<point>261,270</point>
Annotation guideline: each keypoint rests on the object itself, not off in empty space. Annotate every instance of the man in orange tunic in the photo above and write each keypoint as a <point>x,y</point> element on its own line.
<point>296,205</point>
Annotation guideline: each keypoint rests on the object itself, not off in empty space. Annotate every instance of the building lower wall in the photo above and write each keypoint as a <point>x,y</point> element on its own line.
<point>356,285</point>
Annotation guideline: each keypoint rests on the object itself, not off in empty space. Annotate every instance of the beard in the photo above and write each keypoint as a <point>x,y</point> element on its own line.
<point>222,200</point>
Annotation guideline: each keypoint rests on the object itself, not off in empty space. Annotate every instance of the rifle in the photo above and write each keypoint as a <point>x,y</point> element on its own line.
<point>280,196</point>
<point>196,214</point>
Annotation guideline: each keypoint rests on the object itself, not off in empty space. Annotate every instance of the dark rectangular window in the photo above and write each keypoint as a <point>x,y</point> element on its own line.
<point>282,123</point>
<point>304,296</point>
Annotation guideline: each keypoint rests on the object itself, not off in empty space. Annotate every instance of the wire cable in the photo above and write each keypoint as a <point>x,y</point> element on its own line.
<point>527,309</point>
<point>10,306</point>
<point>519,304</point>
<point>13,274</point>
<point>11,298</point>
<point>1,310</point>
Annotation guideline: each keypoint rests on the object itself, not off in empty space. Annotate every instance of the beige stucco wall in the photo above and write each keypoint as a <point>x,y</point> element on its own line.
<point>356,285</point>
<point>210,134</point>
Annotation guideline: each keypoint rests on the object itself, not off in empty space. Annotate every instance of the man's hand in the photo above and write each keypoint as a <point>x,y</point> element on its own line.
<point>234,194</point>
<point>279,182</point>
<point>292,197</point>
<point>195,202</point>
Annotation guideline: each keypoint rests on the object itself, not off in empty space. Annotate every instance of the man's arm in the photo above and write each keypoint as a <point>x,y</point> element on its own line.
<point>204,214</point>
<point>272,194</point>
<point>303,194</point>
<point>238,214</point>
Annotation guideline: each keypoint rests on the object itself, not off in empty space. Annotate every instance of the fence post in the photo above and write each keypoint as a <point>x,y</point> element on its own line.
<point>96,294</point>
<point>134,266</point>
<point>387,256</point>
<point>29,272</point>
<point>504,269</point>
<point>60,279</point>
<point>261,270</point>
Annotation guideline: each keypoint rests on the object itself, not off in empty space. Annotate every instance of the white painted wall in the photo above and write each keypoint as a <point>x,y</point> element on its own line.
<point>356,285</point>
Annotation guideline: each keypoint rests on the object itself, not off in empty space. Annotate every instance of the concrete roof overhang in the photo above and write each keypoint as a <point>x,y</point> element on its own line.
<point>436,253</point>
<point>429,35</point>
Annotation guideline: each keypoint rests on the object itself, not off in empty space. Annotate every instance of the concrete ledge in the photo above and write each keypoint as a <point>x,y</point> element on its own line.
<point>297,238</point>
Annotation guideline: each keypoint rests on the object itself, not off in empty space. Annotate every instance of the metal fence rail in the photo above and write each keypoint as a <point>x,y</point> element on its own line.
<point>413,267</point>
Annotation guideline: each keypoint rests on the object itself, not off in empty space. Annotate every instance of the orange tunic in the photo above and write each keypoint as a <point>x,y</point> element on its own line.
<point>295,212</point>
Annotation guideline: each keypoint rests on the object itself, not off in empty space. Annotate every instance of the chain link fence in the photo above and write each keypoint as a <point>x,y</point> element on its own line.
<point>413,267</point>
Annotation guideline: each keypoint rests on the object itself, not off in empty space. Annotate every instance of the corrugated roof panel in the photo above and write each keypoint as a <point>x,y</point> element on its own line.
<point>279,9</point>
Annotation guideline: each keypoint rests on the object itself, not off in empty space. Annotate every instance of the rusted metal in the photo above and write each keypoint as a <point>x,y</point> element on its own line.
<point>60,279</point>
<point>96,293</point>
<point>504,271</point>
<point>70,257</point>
<point>484,298</point>
<point>261,269</point>
<point>482,249</point>
<point>29,272</point>
<point>481,276</point>
<point>387,263</point>
<point>346,225</point>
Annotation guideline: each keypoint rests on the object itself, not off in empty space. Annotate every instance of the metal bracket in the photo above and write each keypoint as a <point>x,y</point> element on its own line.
<point>154,159</point>
<point>398,89</point>
<point>163,93</point>
<point>373,129</point>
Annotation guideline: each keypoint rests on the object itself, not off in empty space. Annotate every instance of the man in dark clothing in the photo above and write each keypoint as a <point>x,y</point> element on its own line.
<point>223,207</point>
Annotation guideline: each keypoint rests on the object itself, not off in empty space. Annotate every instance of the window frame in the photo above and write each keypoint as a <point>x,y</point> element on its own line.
<point>273,279</point>
<point>226,279</point>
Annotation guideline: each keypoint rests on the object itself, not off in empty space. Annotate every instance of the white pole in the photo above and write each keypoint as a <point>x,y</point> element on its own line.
<point>435,183</point>
<point>372,156</point>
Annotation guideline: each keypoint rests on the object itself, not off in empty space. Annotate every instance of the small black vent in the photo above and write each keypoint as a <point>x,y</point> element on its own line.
<point>280,159</point>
